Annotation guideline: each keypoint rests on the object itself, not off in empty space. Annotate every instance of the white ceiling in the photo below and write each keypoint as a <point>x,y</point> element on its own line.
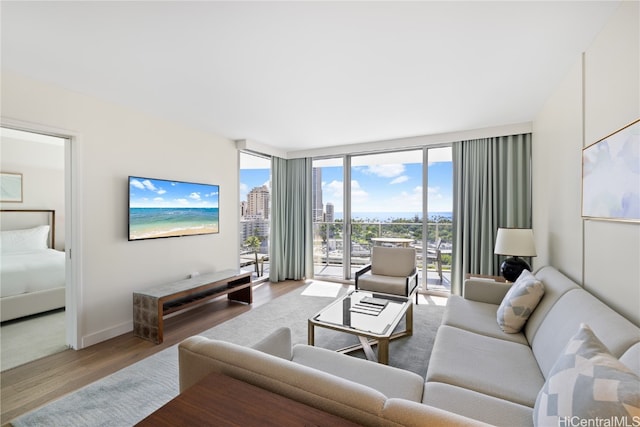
<point>304,75</point>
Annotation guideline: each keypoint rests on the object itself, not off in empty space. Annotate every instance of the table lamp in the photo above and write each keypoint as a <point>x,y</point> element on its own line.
<point>514,242</point>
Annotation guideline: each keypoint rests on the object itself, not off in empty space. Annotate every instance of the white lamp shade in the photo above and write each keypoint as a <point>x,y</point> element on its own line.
<point>515,242</point>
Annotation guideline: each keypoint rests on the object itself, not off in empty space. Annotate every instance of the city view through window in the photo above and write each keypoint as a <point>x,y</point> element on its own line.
<point>385,199</point>
<point>255,202</point>
<point>386,205</point>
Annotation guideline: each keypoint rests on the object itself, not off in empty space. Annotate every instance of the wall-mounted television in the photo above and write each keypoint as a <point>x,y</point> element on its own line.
<point>161,208</point>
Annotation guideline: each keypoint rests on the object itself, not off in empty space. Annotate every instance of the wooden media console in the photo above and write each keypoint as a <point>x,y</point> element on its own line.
<point>151,305</point>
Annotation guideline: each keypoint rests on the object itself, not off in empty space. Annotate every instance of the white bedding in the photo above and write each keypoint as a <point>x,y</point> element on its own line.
<point>31,271</point>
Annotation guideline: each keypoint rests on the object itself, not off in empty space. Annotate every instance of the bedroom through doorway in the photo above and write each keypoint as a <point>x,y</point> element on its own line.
<point>33,281</point>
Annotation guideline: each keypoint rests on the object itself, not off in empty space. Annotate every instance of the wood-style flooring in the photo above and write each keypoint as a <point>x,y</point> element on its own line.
<point>35,384</point>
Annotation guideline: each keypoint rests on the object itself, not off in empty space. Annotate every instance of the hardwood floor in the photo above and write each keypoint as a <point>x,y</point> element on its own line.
<point>35,384</point>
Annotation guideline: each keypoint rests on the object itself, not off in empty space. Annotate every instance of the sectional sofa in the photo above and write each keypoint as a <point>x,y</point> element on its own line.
<point>477,374</point>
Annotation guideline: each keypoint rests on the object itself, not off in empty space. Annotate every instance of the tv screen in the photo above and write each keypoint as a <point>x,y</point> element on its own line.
<point>160,208</point>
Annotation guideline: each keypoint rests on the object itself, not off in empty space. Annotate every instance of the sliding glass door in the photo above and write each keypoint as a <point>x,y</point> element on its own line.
<point>439,220</point>
<point>328,220</point>
<point>386,203</point>
<point>392,198</point>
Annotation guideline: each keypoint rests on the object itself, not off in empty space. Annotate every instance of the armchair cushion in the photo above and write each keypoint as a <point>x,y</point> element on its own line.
<point>385,284</point>
<point>399,262</point>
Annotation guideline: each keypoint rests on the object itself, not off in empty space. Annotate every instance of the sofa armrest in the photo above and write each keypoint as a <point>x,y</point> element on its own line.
<point>487,291</point>
<point>278,343</point>
<point>199,356</point>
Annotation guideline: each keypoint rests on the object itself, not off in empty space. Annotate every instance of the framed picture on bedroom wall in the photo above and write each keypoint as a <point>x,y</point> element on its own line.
<point>611,176</point>
<point>10,187</point>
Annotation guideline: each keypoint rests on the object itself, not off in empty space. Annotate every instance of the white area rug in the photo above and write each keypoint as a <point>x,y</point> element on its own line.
<point>23,341</point>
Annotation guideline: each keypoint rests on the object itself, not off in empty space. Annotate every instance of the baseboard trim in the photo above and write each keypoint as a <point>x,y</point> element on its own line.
<point>106,334</point>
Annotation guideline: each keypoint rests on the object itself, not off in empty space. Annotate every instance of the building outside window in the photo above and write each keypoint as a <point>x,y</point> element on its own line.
<point>255,208</point>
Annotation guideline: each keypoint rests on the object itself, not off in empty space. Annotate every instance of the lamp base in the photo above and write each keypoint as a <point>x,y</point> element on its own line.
<point>512,267</point>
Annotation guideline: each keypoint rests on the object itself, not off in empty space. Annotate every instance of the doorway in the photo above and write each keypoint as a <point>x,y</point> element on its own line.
<point>34,282</point>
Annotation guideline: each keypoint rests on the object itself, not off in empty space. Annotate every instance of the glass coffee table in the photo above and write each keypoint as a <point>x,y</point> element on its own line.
<point>372,317</point>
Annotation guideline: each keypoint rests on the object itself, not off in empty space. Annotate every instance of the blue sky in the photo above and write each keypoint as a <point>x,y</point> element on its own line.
<point>392,187</point>
<point>158,193</point>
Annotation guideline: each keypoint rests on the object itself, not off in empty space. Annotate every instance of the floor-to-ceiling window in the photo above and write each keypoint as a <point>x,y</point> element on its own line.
<point>439,205</point>
<point>327,210</point>
<point>386,203</point>
<point>255,205</point>
<point>392,199</point>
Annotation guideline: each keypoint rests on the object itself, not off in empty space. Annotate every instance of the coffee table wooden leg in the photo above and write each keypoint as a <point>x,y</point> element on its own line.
<point>409,320</point>
<point>383,351</point>
<point>310,334</point>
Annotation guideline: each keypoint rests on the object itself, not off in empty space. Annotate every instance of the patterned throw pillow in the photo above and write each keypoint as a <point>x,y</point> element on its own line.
<point>518,304</point>
<point>588,386</point>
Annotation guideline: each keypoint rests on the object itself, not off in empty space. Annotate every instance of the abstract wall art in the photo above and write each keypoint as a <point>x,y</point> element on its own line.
<point>611,176</point>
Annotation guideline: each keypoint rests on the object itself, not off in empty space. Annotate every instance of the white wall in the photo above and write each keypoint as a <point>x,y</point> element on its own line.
<point>117,142</point>
<point>42,169</point>
<point>600,95</point>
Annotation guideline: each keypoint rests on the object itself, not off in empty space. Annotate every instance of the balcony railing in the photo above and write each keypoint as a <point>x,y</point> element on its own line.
<point>328,248</point>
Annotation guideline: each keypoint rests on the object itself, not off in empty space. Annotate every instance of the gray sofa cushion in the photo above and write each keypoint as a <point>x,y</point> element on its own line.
<point>573,308</point>
<point>404,413</point>
<point>390,381</point>
<point>476,405</point>
<point>478,317</point>
<point>492,366</point>
<point>556,284</point>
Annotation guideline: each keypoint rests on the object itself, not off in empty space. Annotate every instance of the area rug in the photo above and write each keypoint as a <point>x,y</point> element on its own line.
<point>129,395</point>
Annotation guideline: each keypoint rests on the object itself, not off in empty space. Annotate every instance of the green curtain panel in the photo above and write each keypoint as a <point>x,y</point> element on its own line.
<point>491,189</point>
<point>291,254</point>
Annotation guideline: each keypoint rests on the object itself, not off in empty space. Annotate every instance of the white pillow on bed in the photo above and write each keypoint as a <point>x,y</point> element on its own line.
<point>30,239</point>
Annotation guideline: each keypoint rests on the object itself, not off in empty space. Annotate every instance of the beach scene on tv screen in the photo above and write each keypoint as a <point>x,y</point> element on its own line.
<point>162,208</point>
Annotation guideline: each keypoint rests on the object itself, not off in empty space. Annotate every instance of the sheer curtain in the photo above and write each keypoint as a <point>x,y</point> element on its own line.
<point>491,189</point>
<point>291,254</point>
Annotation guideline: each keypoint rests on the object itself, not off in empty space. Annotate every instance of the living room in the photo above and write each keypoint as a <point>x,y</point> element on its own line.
<point>597,96</point>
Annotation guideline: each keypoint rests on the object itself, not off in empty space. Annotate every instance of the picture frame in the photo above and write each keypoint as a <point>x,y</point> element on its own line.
<point>10,187</point>
<point>611,176</point>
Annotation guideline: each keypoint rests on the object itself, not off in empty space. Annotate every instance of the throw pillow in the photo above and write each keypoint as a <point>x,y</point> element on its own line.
<point>519,302</point>
<point>26,240</point>
<point>588,385</point>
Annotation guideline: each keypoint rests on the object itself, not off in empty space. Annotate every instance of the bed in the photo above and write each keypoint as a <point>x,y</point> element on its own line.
<point>32,273</point>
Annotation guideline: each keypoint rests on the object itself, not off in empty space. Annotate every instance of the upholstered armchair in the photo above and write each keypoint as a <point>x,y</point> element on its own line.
<point>392,271</point>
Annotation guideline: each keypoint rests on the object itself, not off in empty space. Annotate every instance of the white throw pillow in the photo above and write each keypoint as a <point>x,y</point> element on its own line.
<point>31,239</point>
<point>519,302</point>
<point>588,385</point>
